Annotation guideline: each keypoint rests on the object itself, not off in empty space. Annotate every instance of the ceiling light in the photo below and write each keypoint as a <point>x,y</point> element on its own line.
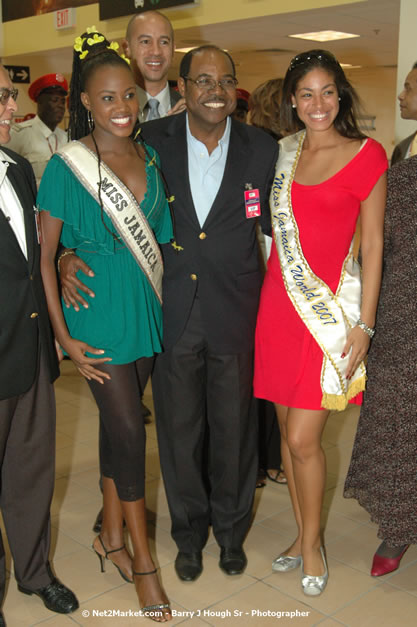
<point>324,35</point>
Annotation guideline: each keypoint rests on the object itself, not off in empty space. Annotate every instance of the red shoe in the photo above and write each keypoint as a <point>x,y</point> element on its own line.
<point>385,565</point>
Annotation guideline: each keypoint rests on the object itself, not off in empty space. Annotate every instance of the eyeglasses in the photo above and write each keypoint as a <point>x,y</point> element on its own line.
<point>320,55</point>
<point>210,83</point>
<point>6,93</point>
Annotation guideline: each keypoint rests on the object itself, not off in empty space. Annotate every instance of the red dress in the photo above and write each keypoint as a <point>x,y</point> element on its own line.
<point>288,360</point>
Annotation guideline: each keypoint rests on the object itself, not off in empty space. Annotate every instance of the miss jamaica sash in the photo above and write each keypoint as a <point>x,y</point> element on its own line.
<point>329,317</point>
<point>122,209</point>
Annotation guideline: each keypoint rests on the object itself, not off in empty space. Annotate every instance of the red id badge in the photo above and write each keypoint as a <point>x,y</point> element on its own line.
<point>252,203</point>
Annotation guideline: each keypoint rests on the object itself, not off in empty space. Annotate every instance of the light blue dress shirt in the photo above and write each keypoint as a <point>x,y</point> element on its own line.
<point>206,171</point>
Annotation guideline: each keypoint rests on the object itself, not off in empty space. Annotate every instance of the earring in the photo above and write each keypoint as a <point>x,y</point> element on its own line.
<point>340,99</point>
<point>294,106</point>
<point>90,120</point>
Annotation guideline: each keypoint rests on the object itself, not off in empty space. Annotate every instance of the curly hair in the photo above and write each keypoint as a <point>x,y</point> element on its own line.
<point>345,122</point>
<point>265,105</point>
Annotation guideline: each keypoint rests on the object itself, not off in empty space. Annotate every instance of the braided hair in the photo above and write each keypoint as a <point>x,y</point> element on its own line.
<point>92,53</point>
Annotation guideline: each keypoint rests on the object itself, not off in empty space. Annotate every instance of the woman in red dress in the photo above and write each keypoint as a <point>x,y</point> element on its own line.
<point>316,315</point>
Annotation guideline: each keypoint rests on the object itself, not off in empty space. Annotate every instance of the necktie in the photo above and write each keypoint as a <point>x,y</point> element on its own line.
<point>153,105</point>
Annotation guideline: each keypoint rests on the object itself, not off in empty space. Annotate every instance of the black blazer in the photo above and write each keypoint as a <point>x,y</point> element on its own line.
<point>23,313</point>
<point>174,96</point>
<point>220,261</point>
<point>401,149</point>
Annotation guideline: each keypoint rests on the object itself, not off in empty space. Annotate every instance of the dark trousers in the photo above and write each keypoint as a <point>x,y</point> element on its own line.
<point>205,431</point>
<point>27,460</point>
<point>269,436</point>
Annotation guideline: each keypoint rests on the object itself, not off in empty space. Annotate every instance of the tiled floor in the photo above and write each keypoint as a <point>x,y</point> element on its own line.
<point>352,597</point>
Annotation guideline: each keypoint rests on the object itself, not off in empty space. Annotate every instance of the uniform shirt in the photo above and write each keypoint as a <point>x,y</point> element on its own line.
<point>206,171</point>
<point>36,142</point>
<point>164,98</point>
<point>10,204</point>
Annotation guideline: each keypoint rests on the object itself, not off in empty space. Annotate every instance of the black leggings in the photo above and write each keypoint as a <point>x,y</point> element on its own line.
<point>122,431</point>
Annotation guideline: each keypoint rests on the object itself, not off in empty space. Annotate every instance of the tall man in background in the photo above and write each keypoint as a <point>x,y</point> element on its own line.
<point>149,44</point>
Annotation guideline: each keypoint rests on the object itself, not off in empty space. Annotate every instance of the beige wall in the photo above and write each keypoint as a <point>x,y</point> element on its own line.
<point>36,34</point>
<point>377,90</point>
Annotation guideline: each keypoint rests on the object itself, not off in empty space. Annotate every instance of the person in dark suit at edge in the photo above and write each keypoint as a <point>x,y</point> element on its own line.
<point>202,383</point>
<point>28,367</point>
<point>408,108</point>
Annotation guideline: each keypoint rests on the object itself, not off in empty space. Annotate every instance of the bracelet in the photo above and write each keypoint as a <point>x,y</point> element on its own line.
<point>61,256</point>
<point>362,325</point>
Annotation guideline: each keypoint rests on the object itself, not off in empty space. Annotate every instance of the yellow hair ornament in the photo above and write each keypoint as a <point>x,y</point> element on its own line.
<point>96,39</point>
<point>84,54</point>
<point>91,29</point>
<point>175,245</point>
<point>113,46</point>
<point>125,58</point>
<point>78,44</point>
<point>171,199</point>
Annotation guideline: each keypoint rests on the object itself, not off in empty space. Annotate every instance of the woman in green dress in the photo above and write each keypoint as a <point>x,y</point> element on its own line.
<point>103,195</point>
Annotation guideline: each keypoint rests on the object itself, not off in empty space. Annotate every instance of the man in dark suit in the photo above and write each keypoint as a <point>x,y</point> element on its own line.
<point>202,383</point>
<point>408,107</point>
<point>220,172</point>
<point>28,366</point>
<point>149,44</point>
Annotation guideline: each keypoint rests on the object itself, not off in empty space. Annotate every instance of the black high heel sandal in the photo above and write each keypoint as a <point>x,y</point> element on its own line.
<point>102,559</point>
<point>149,610</point>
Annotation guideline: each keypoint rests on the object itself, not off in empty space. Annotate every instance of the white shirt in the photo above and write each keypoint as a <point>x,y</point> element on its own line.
<point>10,203</point>
<point>206,170</point>
<point>36,142</point>
<point>164,99</point>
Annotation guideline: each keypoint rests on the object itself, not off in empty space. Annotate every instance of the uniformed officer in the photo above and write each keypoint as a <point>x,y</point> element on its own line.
<point>37,139</point>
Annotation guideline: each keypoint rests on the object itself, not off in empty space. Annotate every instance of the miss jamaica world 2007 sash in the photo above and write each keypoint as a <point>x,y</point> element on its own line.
<point>329,317</point>
<point>122,209</point>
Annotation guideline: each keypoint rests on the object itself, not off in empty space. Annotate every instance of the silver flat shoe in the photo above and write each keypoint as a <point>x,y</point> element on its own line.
<point>313,586</point>
<point>283,563</point>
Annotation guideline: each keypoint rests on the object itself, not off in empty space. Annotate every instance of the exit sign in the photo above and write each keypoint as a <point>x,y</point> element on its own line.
<point>65,18</point>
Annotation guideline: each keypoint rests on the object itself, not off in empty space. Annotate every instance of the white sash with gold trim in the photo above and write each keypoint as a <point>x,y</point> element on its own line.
<point>121,207</point>
<point>329,317</point>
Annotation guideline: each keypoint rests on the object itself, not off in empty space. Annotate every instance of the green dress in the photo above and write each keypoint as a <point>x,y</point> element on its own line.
<point>125,317</point>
